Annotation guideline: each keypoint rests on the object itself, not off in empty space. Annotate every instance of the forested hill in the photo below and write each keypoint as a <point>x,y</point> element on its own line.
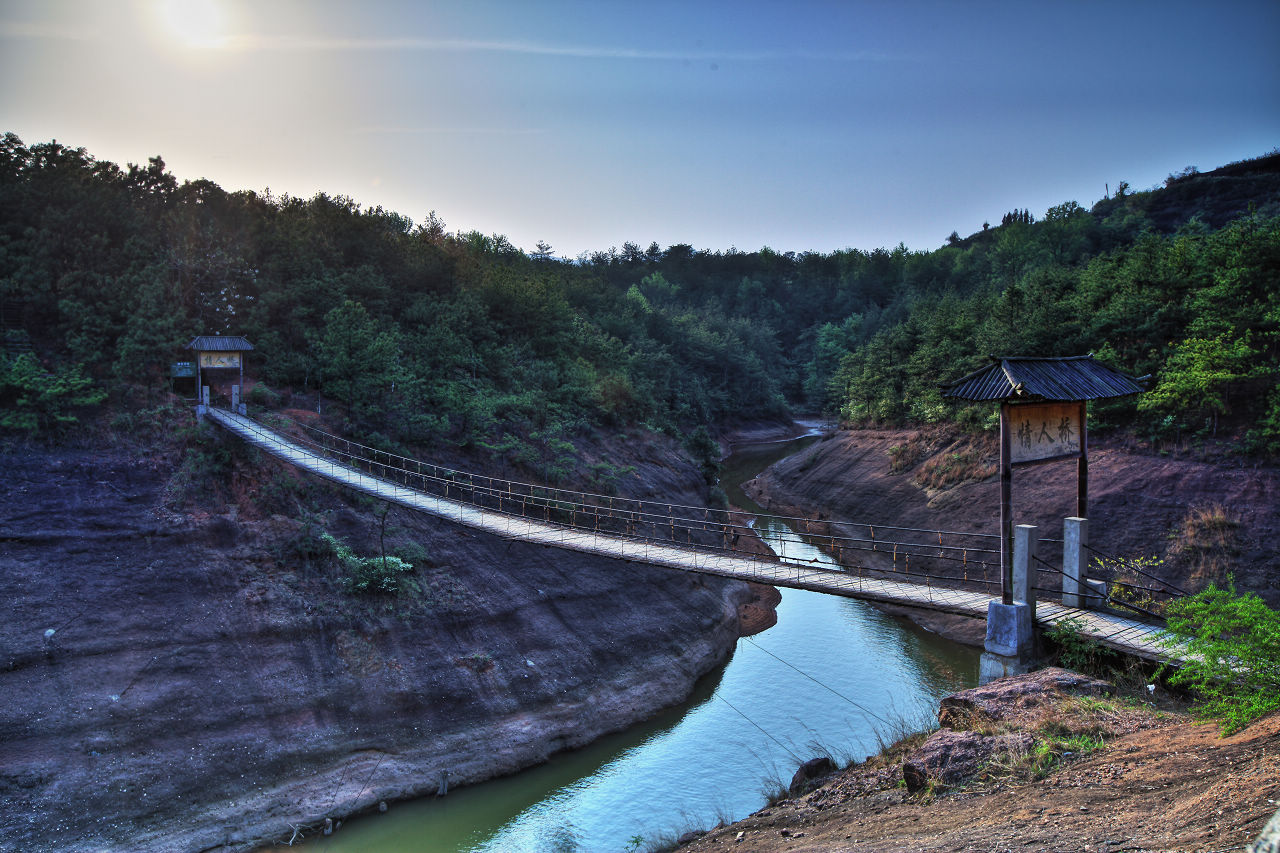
<point>430,336</point>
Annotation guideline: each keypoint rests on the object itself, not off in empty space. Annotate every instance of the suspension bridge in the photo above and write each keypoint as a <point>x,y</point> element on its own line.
<point>938,570</point>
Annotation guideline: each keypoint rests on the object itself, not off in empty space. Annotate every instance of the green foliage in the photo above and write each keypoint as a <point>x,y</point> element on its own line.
<point>1131,580</point>
<point>206,462</point>
<point>1230,650</point>
<point>1199,374</point>
<point>1077,650</point>
<point>460,338</point>
<point>369,575</point>
<point>36,401</point>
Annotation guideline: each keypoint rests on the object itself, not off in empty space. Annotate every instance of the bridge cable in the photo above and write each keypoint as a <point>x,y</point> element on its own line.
<point>862,708</point>
<point>757,725</point>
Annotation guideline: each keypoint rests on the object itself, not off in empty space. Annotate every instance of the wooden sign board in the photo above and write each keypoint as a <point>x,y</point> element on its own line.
<point>1039,432</point>
<point>219,359</point>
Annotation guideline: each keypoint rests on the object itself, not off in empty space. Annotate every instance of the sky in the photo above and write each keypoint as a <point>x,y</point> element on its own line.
<point>802,126</point>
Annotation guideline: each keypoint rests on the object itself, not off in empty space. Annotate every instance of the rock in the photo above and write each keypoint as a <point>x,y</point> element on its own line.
<point>808,773</point>
<point>691,836</point>
<point>948,758</point>
<point>1269,840</point>
<point>1013,698</point>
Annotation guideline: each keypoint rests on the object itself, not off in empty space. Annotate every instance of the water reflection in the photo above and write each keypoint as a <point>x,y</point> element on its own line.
<point>833,675</point>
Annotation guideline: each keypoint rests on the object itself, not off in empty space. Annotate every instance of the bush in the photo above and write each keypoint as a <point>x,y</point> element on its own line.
<point>39,401</point>
<point>369,575</point>
<point>1077,651</point>
<point>1229,645</point>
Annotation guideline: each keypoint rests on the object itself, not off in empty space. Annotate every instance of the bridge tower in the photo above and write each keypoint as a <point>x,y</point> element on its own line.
<point>1043,418</point>
<point>216,357</point>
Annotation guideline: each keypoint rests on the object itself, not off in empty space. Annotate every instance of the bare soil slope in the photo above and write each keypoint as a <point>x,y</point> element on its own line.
<point>1160,783</point>
<point>183,680</point>
<point>1204,519</point>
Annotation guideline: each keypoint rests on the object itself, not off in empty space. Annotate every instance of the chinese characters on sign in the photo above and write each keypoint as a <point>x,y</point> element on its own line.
<point>1044,431</point>
<point>219,359</point>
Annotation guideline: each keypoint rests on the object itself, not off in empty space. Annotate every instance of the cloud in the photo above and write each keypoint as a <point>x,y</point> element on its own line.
<point>381,130</point>
<point>39,30</point>
<point>346,44</point>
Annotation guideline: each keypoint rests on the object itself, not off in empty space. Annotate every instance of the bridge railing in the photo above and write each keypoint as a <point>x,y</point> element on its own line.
<point>1119,583</point>
<point>946,559</point>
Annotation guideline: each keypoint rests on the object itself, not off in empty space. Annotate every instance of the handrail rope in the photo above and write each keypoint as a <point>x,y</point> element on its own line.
<point>389,455</point>
<point>540,501</point>
<point>1054,569</point>
<point>1134,567</point>
<point>271,437</point>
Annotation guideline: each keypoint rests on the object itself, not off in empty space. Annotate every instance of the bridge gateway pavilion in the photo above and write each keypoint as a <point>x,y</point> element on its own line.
<point>216,355</point>
<point>1043,418</point>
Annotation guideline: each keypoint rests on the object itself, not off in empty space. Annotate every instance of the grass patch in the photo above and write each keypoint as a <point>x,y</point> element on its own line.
<point>1206,540</point>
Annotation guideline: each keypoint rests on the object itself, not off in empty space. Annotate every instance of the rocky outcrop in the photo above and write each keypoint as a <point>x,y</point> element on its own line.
<point>809,773</point>
<point>1015,701</point>
<point>184,681</point>
<point>976,723</point>
<point>949,758</point>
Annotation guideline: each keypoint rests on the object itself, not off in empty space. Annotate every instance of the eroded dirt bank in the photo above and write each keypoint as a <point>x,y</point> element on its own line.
<point>190,681</point>
<point>1017,765</point>
<point>1203,519</point>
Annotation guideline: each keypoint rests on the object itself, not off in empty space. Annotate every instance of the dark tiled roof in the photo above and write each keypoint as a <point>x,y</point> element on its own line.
<point>1076,378</point>
<point>220,343</point>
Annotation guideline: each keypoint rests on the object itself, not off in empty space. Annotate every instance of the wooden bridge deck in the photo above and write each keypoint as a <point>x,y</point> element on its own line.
<point>1116,631</point>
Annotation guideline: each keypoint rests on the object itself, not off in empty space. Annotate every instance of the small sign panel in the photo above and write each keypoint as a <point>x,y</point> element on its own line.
<point>219,359</point>
<point>1044,431</point>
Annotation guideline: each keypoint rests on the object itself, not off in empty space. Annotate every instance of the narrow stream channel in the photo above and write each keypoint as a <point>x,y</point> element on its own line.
<point>833,675</point>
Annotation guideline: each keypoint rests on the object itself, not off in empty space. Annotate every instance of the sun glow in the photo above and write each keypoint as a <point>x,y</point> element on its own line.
<point>197,24</point>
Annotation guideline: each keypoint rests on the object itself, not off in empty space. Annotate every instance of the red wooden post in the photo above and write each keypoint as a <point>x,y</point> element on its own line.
<point>1006,510</point>
<point>1082,464</point>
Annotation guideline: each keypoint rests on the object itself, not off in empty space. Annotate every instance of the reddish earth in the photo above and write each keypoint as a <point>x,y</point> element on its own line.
<point>1206,520</point>
<point>1160,783</point>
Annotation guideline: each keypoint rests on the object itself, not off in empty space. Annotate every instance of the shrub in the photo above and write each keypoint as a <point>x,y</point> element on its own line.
<point>261,395</point>
<point>1078,651</point>
<point>1229,645</point>
<point>42,402</point>
<point>369,575</point>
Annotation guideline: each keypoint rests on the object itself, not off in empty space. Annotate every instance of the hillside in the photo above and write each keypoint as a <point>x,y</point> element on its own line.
<point>186,666</point>
<point>460,340</point>
<point>1206,520</point>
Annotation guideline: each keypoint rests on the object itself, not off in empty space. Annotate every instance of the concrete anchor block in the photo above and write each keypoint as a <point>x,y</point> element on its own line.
<point>1010,630</point>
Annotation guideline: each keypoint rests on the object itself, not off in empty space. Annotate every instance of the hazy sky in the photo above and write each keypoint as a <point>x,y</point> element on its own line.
<point>801,126</point>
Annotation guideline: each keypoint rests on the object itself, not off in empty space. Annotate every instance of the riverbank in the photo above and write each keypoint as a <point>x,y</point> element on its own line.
<point>194,673</point>
<point>1204,520</point>
<point>1052,761</point>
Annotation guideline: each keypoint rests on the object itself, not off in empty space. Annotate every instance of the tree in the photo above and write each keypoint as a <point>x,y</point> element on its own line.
<point>543,252</point>
<point>358,362</point>
<point>1199,374</point>
<point>39,401</point>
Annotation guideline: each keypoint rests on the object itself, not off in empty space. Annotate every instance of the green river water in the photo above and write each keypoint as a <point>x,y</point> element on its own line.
<point>834,674</point>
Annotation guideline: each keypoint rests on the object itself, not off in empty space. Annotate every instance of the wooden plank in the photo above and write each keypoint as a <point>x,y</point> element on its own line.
<point>1115,631</point>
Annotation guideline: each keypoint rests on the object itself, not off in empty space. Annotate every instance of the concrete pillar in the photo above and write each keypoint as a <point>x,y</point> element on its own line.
<point>204,396</point>
<point>1010,643</point>
<point>1024,567</point>
<point>235,398</point>
<point>1075,561</point>
<point>1096,594</point>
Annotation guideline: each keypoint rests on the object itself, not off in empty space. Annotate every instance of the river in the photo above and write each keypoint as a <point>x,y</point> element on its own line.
<point>834,675</point>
